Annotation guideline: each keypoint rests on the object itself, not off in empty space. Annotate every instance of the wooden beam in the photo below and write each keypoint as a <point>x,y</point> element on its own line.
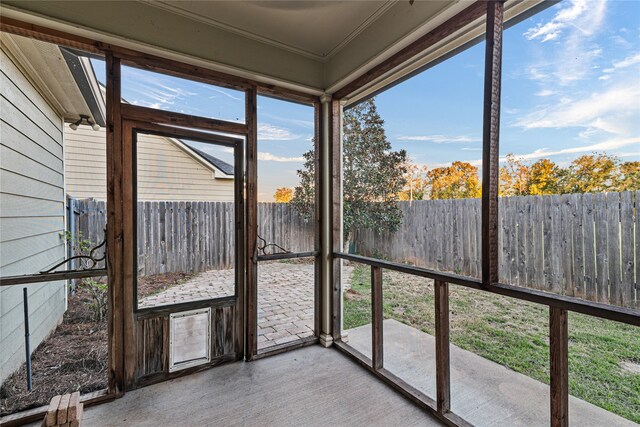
<point>115,227</point>
<point>252,224</point>
<point>317,220</point>
<point>335,154</point>
<point>591,308</point>
<point>475,11</point>
<point>277,92</point>
<point>51,277</point>
<point>129,252</point>
<point>443,366</point>
<point>239,255</point>
<point>377,316</point>
<point>152,115</point>
<point>490,142</point>
<point>60,38</point>
<point>559,367</point>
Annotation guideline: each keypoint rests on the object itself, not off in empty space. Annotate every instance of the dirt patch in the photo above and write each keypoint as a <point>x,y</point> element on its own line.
<point>73,358</point>
<point>151,285</point>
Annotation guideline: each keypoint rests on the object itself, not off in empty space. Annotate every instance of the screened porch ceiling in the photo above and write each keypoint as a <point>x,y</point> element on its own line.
<point>310,46</point>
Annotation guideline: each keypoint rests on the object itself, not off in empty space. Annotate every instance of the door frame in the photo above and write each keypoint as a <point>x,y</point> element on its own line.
<point>134,318</point>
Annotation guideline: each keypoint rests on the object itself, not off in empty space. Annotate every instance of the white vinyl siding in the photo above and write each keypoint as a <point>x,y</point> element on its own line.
<point>165,171</point>
<point>32,212</point>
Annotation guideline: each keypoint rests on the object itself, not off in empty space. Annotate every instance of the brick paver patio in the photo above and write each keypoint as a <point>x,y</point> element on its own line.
<point>285,298</point>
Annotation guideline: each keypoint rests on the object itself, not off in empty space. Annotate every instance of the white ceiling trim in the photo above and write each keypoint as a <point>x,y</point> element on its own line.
<point>253,36</point>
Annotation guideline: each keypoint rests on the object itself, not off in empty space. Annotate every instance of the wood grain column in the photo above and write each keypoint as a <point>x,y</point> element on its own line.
<point>251,287</point>
<point>376,318</point>
<point>490,142</point>
<point>336,214</point>
<point>443,365</point>
<point>114,153</point>
<point>559,366</point>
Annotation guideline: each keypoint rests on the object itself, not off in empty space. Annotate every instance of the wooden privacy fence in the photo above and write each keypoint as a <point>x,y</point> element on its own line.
<point>194,236</point>
<point>584,245</point>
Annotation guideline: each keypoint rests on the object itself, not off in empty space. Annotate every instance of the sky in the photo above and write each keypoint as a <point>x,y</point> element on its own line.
<point>571,86</point>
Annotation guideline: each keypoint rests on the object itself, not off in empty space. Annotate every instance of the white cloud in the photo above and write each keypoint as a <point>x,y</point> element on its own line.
<point>627,62</point>
<point>224,92</point>
<point>609,111</point>
<point>267,132</point>
<point>272,158</point>
<point>545,92</point>
<point>604,146</point>
<point>571,56</point>
<point>570,16</point>
<point>440,139</point>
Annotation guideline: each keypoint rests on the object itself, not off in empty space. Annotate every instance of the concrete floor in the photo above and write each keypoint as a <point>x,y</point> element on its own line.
<point>482,392</point>
<point>312,386</point>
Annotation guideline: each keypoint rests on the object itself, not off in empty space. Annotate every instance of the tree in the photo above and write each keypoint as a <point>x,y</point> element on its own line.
<point>514,177</point>
<point>544,176</point>
<point>629,176</point>
<point>591,173</point>
<point>373,174</point>
<point>416,183</point>
<point>283,195</point>
<point>458,181</point>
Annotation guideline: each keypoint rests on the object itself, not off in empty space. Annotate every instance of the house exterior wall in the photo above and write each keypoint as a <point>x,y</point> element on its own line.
<point>165,171</point>
<point>32,211</point>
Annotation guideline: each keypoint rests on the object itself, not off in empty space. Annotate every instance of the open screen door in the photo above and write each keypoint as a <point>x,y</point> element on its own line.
<point>183,297</point>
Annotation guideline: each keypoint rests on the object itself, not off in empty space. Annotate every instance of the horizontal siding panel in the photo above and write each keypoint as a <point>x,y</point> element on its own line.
<point>11,93</point>
<point>14,140</point>
<point>18,163</point>
<point>23,248</point>
<point>40,297</point>
<point>13,74</point>
<point>12,183</point>
<point>19,206</point>
<point>35,263</point>
<point>20,228</point>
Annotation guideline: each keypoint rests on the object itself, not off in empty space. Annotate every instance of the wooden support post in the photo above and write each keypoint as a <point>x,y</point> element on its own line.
<point>336,214</point>
<point>317,220</point>
<point>559,366</point>
<point>115,290</point>
<point>376,317</point>
<point>251,344</point>
<point>490,142</point>
<point>443,366</point>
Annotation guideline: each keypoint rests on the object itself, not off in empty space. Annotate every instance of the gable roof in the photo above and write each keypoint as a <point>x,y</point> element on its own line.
<point>216,162</point>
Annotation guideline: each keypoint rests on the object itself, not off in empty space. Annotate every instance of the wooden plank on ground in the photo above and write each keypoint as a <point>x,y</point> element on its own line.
<point>52,411</point>
<point>78,420</point>
<point>74,402</point>
<point>61,416</point>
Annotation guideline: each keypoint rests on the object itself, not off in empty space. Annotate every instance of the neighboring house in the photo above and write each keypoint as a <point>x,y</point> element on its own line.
<point>168,169</point>
<point>38,93</point>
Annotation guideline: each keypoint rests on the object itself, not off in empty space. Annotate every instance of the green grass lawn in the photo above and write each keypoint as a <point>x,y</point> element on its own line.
<point>514,333</point>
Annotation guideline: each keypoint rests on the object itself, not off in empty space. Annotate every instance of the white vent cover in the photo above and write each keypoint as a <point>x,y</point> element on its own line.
<point>190,338</point>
